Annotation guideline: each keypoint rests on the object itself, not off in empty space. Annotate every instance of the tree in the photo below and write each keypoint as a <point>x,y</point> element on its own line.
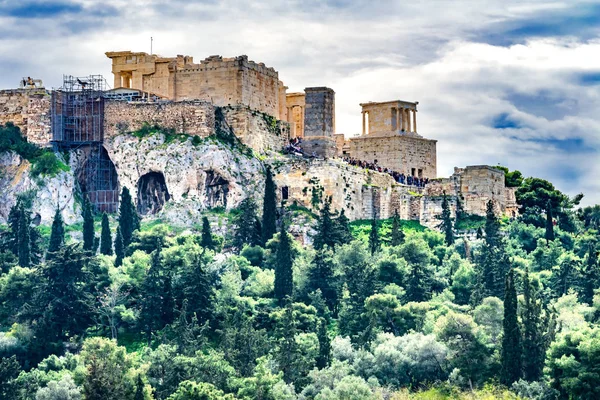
<point>57,234</point>
<point>534,347</point>
<point>325,227</point>
<point>511,342</point>
<point>129,221</point>
<point>374,242</point>
<point>197,288</point>
<point>65,389</point>
<point>269,218</point>
<point>446,225</point>
<point>105,237</point>
<point>511,178</point>
<point>493,261</point>
<point>590,274</point>
<point>324,345</point>
<point>341,227</point>
<point>207,239</point>
<point>397,232</point>
<point>88,226</point>
<point>152,301</point>
<point>139,388</point>
<point>9,370</point>
<point>549,222</point>
<point>190,390</point>
<point>321,276</point>
<point>536,195</point>
<point>24,238</point>
<point>284,284</point>
<point>248,226</point>
<point>119,248</point>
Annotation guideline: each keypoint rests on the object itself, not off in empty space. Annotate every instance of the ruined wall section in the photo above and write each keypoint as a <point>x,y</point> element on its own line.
<point>195,118</point>
<point>29,109</point>
<point>261,132</point>
<point>319,122</point>
<point>398,152</point>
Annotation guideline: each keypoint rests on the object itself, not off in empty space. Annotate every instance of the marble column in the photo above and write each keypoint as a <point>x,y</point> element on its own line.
<point>364,123</point>
<point>414,120</point>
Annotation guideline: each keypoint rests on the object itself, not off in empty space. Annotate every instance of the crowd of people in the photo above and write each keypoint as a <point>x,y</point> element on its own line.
<point>398,177</point>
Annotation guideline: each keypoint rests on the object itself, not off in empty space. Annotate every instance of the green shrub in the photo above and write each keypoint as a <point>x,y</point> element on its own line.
<point>47,164</point>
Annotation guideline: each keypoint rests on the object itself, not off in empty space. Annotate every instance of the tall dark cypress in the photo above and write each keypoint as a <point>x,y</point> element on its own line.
<point>397,232</point>
<point>88,226</point>
<point>269,217</point>
<point>511,341</point>
<point>325,227</point>
<point>342,232</point>
<point>324,345</point>
<point>446,225</point>
<point>14,216</point>
<point>284,283</point>
<point>549,222</point>
<point>248,226</point>
<point>207,240</point>
<point>321,276</point>
<point>24,238</point>
<point>591,274</point>
<point>493,261</point>
<point>152,303</point>
<point>119,248</point>
<point>57,234</point>
<point>492,226</point>
<point>533,332</point>
<point>129,221</point>
<point>105,237</point>
<point>374,242</point>
<point>139,389</point>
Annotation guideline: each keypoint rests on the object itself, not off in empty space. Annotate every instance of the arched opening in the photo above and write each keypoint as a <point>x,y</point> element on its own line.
<point>152,193</point>
<point>216,188</point>
<point>98,179</point>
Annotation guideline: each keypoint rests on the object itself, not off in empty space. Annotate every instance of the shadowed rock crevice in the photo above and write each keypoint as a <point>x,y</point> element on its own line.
<point>152,193</point>
<point>216,188</point>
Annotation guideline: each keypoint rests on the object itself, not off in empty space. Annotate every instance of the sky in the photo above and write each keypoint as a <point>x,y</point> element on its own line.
<point>515,83</point>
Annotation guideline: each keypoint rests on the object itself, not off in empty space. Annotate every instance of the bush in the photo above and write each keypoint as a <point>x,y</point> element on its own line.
<point>47,164</point>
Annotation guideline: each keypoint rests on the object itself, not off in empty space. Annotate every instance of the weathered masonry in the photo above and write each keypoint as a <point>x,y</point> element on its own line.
<point>391,140</point>
<point>222,81</point>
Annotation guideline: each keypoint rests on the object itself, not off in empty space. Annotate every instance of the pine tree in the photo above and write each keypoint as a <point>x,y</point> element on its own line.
<point>197,289</point>
<point>374,242</point>
<point>325,227</point>
<point>105,237</point>
<point>284,284</point>
<point>88,226</point>
<point>207,239</point>
<point>417,284</point>
<point>119,248</point>
<point>446,224</point>
<point>533,332</point>
<point>152,302</point>
<point>24,238</point>
<point>511,341</point>
<point>57,234</point>
<point>269,218</point>
<point>129,221</point>
<point>549,222</point>
<point>324,345</point>
<point>321,276</point>
<point>397,232</point>
<point>248,226</point>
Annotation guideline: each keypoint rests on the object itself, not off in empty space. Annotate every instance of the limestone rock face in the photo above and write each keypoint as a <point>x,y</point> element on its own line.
<point>46,193</point>
<point>197,176</point>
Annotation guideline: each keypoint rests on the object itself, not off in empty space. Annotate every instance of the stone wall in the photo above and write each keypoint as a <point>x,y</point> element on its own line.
<point>257,130</point>
<point>400,153</point>
<point>29,109</point>
<point>319,114</point>
<point>195,118</point>
<point>223,81</point>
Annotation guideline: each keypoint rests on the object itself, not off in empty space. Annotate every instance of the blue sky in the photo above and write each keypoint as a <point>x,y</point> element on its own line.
<point>505,82</point>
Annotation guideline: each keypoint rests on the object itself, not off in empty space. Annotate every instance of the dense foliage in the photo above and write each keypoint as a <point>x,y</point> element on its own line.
<point>370,310</point>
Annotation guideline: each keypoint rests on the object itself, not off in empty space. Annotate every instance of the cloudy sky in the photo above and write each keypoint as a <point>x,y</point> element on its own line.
<point>505,82</point>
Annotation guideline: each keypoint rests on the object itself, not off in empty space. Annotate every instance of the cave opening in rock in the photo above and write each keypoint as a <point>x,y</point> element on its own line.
<point>152,193</point>
<point>217,188</point>
<point>98,179</point>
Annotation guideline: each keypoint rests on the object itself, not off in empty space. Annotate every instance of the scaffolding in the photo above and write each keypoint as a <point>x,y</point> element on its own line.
<point>78,124</point>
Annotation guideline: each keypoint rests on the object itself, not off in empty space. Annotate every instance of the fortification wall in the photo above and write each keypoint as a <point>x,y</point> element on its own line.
<point>29,109</point>
<point>259,131</point>
<point>398,152</point>
<point>190,117</point>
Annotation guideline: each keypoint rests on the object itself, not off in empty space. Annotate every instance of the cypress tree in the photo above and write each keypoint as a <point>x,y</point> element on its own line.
<point>374,242</point>
<point>511,341</point>
<point>397,232</point>
<point>119,248</point>
<point>105,237</point>
<point>446,224</point>
<point>88,226</point>
<point>129,220</point>
<point>152,303</point>
<point>284,284</point>
<point>247,224</point>
<point>207,240</point>
<point>57,234</point>
<point>24,239</point>
<point>269,217</point>
<point>417,284</point>
<point>324,345</point>
<point>325,227</point>
<point>591,274</point>
<point>493,261</point>
<point>14,216</point>
<point>197,289</point>
<point>533,332</point>
<point>549,222</point>
<point>321,276</point>
<point>492,226</point>
<point>342,234</point>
